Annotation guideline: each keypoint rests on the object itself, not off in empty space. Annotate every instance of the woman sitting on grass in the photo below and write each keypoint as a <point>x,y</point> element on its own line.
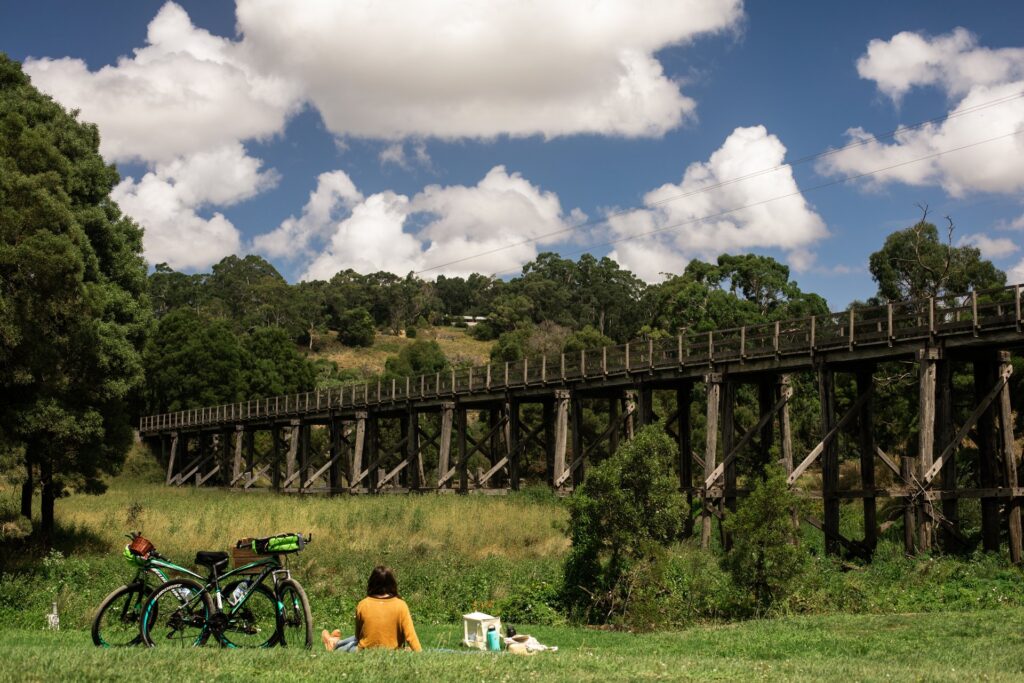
<point>382,618</point>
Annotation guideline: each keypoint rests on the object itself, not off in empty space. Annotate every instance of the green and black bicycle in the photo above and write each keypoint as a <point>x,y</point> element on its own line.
<point>118,619</point>
<point>256,604</point>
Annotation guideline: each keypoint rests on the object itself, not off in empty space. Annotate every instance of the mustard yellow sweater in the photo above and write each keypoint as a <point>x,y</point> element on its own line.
<point>385,622</point>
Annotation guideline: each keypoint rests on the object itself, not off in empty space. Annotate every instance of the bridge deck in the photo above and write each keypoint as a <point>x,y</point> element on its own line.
<point>956,322</point>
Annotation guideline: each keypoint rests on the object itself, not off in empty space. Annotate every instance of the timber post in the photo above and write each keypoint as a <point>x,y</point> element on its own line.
<point>444,444</point>
<point>1009,453</point>
<point>513,448</point>
<point>712,382</point>
<point>561,435</point>
<point>927,360</point>
<point>829,459</point>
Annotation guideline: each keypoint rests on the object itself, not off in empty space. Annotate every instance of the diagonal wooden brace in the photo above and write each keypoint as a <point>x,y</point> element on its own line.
<point>744,440</point>
<point>494,470</point>
<point>500,424</point>
<point>316,475</point>
<point>972,419</point>
<point>257,475</point>
<point>393,473</point>
<point>813,455</point>
<point>576,462</point>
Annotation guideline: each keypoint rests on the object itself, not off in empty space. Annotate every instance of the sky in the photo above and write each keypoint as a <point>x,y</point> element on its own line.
<point>452,136</point>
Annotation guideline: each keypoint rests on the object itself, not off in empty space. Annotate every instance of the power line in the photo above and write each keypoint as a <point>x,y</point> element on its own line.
<point>798,192</point>
<point>802,160</point>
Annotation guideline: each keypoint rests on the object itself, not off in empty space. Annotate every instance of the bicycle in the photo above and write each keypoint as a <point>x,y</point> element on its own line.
<point>188,612</point>
<point>118,619</point>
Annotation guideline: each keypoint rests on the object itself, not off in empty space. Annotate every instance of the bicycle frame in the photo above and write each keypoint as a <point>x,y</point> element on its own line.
<point>271,567</point>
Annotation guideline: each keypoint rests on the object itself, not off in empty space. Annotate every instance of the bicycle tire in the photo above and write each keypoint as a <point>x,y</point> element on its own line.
<point>124,629</point>
<point>259,614</point>
<point>296,618</point>
<point>168,615</point>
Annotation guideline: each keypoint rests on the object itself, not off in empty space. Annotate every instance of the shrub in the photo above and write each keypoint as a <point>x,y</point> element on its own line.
<point>620,520</point>
<point>765,558</point>
<point>355,328</point>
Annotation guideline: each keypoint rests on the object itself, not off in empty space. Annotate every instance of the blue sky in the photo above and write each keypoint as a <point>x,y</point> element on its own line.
<point>433,135</point>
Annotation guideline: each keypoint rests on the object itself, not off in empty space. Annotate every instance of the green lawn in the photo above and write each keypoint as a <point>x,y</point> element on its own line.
<point>952,646</point>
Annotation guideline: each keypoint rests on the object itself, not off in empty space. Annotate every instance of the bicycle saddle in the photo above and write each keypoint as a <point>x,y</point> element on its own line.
<point>213,559</point>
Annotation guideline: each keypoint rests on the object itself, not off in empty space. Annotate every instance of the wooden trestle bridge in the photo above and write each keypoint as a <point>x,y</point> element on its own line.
<point>434,413</point>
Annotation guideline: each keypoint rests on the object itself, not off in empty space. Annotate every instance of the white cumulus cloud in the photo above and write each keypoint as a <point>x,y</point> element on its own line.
<point>705,214</point>
<point>166,200</point>
<point>453,69</point>
<point>990,247</point>
<point>975,77</point>
<point>186,91</point>
<point>442,229</point>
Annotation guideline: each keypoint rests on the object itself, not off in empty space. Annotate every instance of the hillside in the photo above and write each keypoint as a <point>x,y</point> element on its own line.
<point>456,344</point>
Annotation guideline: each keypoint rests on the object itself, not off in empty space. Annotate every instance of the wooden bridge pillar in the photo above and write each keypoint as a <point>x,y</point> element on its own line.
<point>1009,453</point>
<point>561,435</point>
<point>713,384</point>
<point>358,451</point>
<point>927,375</point>
<point>494,419</point>
<point>371,448</point>
<point>461,425</point>
<point>829,459</point>
<point>291,458</point>
<point>632,419</point>
<point>236,463</point>
<point>786,437</point>
<point>172,459</point>
<point>866,434</point>
<point>444,444</point>
<point>644,405</point>
<point>684,401</point>
<point>412,450</point>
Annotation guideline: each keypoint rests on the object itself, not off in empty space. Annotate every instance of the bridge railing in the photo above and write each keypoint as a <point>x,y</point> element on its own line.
<point>920,319</point>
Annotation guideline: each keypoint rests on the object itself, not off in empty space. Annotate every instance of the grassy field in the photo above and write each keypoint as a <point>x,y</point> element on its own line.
<point>457,346</point>
<point>982,645</point>
<point>929,618</point>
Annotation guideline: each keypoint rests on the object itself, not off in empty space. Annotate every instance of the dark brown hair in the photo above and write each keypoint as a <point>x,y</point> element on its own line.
<point>382,582</point>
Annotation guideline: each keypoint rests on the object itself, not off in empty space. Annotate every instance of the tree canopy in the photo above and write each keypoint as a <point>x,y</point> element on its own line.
<point>73,304</point>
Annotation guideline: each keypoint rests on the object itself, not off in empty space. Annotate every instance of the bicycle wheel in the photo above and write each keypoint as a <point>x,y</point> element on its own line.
<point>297,620</point>
<point>253,623</point>
<point>177,613</point>
<point>119,616</point>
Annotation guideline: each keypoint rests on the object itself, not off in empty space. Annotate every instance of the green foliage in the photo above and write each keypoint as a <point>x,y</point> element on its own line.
<point>621,519</point>
<point>916,263</point>
<point>73,306</point>
<point>765,559</point>
<point>355,328</point>
<point>192,363</point>
<point>422,357</point>
<point>273,366</point>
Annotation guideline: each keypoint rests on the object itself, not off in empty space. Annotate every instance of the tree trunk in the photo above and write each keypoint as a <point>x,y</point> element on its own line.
<point>46,503</point>
<point>27,489</point>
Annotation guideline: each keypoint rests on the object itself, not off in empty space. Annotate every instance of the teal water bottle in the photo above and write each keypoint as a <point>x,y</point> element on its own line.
<point>492,639</point>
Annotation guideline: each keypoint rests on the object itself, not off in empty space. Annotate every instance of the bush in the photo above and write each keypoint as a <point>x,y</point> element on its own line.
<point>355,328</point>
<point>765,559</point>
<point>620,520</point>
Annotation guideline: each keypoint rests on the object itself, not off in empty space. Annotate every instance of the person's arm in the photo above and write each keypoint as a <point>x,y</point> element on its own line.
<point>359,625</point>
<point>409,631</point>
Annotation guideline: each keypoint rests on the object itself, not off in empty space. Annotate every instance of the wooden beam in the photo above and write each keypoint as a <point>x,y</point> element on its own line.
<point>1009,453</point>
<point>865,385</point>
<point>972,419</point>
<point>744,440</point>
<point>713,383</point>
<point>832,433</point>
<point>830,455</point>
<point>561,435</point>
